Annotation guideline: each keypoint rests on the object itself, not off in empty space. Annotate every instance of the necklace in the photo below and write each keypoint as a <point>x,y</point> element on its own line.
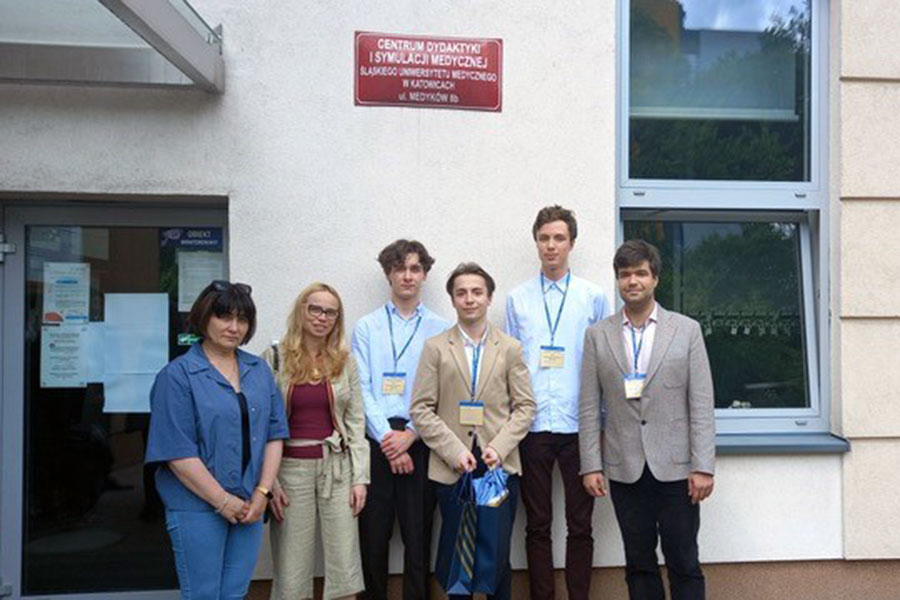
<point>229,371</point>
<point>232,373</point>
<point>316,372</point>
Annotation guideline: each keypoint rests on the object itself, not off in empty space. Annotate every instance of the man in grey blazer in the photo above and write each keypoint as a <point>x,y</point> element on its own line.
<point>646,368</point>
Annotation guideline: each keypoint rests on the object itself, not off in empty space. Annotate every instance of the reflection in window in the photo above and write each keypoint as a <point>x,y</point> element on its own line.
<point>719,90</point>
<point>742,282</point>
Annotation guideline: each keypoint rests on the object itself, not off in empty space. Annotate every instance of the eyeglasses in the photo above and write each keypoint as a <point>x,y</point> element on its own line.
<point>316,311</point>
<point>220,285</point>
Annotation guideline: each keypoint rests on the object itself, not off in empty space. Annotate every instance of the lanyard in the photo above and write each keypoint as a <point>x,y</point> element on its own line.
<point>476,358</point>
<point>635,346</point>
<point>554,326</point>
<point>396,356</point>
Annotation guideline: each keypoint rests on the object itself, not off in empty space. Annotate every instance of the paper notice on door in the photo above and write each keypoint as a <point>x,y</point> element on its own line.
<point>127,392</point>
<point>137,310</point>
<point>67,292</point>
<point>136,347</point>
<point>131,348</point>
<point>196,270</point>
<point>63,356</point>
<point>94,343</point>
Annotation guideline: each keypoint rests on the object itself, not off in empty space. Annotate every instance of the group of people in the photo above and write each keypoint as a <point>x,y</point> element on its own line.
<point>352,439</point>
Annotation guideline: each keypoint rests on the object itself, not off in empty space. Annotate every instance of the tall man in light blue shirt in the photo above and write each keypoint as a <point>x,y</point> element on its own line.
<point>549,315</point>
<point>387,344</point>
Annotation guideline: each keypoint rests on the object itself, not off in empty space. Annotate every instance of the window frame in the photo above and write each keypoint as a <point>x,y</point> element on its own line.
<point>786,195</point>
<point>804,202</point>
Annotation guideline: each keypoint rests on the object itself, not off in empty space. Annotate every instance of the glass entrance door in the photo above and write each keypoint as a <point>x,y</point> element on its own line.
<point>95,302</point>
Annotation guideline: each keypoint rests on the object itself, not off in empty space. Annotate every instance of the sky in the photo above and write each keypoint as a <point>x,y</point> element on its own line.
<point>736,15</point>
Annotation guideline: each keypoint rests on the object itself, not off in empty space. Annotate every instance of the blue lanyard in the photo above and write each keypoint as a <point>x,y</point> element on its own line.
<point>636,347</point>
<point>476,358</point>
<point>554,326</point>
<point>396,356</point>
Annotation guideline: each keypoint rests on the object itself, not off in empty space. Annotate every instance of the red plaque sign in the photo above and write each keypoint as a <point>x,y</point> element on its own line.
<point>412,70</point>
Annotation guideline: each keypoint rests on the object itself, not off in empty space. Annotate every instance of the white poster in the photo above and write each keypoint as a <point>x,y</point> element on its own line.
<point>136,346</point>
<point>196,270</point>
<point>64,356</point>
<point>127,392</point>
<point>67,292</point>
<point>94,343</point>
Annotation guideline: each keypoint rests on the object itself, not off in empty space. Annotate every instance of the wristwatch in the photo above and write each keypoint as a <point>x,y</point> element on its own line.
<point>265,492</point>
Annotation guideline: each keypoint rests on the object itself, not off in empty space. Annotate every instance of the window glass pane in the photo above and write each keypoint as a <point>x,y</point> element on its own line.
<point>742,282</point>
<point>719,90</point>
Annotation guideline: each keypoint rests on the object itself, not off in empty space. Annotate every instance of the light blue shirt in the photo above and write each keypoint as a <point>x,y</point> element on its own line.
<point>372,349</point>
<point>556,390</point>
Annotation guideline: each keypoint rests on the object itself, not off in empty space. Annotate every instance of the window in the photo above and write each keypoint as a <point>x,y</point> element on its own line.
<point>719,90</point>
<point>722,168</point>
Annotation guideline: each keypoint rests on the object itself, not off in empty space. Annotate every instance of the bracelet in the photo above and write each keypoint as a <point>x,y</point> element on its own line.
<point>224,503</point>
<point>265,492</point>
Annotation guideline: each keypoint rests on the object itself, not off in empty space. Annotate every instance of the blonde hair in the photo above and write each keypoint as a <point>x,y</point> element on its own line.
<point>297,364</point>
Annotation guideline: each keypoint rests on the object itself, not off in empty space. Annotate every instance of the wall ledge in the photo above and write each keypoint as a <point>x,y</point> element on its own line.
<point>781,443</point>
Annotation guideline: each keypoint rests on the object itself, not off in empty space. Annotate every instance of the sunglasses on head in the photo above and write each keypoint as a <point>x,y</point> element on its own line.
<point>220,285</point>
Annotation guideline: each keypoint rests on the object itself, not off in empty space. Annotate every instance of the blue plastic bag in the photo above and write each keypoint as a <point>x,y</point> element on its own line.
<point>491,490</point>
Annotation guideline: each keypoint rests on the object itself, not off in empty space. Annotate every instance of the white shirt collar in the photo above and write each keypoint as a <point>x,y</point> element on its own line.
<point>653,318</point>
<point>468,341</point>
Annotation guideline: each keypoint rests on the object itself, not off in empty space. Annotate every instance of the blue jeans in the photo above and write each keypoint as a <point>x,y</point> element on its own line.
<point>214,559</point>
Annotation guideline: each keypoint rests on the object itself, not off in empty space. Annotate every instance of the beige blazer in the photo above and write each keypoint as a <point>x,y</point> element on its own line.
<point>443,380</point>
<point>347,414</point>
<point>671,427</point>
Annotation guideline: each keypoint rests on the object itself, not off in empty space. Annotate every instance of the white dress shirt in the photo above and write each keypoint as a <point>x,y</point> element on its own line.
<point>469,347</point>
<point>643,338</point>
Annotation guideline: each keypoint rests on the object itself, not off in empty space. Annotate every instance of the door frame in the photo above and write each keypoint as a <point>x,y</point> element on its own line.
<point>14,218</point>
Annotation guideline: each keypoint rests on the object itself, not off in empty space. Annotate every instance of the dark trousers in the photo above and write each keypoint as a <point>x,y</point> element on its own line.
<point>644,507</point>
<point>411,499</point>
<point>447,500</point>
<point>539,452</point>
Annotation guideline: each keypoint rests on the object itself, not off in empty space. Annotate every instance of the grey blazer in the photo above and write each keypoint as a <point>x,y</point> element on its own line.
<point>671,428</point>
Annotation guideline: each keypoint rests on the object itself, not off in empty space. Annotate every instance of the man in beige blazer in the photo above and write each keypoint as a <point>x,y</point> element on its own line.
<point>472,402</point>
<point>647,368</point>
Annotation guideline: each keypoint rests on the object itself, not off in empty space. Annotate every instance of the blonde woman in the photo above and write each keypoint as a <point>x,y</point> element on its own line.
<point>325,466</point>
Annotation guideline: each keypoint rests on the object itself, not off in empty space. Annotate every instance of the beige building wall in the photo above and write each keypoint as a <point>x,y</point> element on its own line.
<point>868,301</point>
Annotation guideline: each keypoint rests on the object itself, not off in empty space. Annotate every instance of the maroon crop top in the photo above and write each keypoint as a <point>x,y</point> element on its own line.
<point>310,418</point>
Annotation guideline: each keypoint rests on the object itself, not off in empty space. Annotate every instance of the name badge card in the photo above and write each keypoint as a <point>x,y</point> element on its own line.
<point>553,357</point>
<point>393,384</point>
<point>634,385</point>
<point>471,413</point>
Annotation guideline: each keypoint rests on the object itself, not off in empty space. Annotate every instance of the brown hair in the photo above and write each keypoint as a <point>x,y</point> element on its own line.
<point>394,255</point>
<point>634,252</point>
<point>548,214</point>
<point>222,298</point>
<point>470,268</point>
<point>296,363</point>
